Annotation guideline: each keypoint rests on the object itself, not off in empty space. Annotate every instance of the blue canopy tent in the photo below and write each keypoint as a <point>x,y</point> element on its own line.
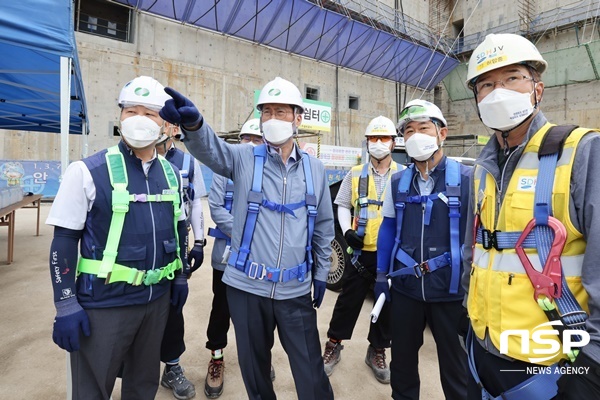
<point>40,80</point>
<point>322,30</point>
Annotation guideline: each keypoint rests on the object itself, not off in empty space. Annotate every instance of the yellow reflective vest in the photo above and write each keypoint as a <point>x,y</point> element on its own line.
<point>374,216</point>
<point>500,292</point>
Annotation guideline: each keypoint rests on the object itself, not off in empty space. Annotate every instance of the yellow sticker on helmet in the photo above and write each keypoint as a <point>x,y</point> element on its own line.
<point>490,62</point>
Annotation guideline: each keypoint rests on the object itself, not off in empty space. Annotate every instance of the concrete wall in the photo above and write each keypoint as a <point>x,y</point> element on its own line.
<point>220,74</point>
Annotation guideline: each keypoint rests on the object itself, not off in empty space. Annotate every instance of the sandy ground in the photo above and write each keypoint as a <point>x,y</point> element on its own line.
<point>33,367</point>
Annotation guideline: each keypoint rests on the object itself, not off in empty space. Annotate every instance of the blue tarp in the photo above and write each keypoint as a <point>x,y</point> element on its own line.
<point>34,35</point>
<point>302,27</point>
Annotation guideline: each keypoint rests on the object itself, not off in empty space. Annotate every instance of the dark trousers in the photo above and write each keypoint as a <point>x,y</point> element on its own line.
<point>218,323</point>
<point>349,303</point>
<point>408,323</point>
<point>254,320</point>
<point>121,336</point>
<point>173,345</point>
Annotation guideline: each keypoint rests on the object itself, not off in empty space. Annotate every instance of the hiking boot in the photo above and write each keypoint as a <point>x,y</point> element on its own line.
<point>331,356</point>
<point>376,360</point>
<point>176,381</point>
<point>213,386</point>
<point>272,373</point>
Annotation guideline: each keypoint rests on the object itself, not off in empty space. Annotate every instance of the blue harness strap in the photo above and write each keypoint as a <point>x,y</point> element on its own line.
<point>452,258</point>
<point>255,270</point>
<point>216,232</point>
<point>187,175</point>
<point>540,386</point>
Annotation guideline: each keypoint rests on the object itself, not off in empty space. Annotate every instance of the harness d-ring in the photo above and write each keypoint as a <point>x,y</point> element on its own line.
<point>549,281</point>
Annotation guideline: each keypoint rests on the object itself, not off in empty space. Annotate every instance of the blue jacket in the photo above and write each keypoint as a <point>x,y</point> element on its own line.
<point>432,239</point>
<point>148,238</point>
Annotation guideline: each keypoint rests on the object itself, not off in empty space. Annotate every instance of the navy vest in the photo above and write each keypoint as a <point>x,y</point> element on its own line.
<point>147,240</point>
<point>436,237</point>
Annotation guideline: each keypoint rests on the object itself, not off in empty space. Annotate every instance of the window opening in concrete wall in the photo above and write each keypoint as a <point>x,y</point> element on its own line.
<point>458,31</point>
<point>101,18</point>
<point>311,93</point>
<point>353,102</point>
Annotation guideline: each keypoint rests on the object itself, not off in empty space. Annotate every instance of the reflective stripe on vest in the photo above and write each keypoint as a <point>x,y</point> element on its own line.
<point>501,293</point>
<point>367,207</point>
<point>117,171</point>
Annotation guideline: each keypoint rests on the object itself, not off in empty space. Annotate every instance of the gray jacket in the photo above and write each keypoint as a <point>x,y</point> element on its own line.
<point>279,239</point>
<point>221,217</point>
<point>585,198</point>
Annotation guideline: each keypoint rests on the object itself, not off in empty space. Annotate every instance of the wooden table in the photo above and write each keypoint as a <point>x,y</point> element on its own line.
<point>7,218</point>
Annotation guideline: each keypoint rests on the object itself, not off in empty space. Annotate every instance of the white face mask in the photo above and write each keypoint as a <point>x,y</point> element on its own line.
<point>379,150</point>
<point>504,109</point>
<point>421,146</point>
<point>276,131</point>
<point>139,131</point>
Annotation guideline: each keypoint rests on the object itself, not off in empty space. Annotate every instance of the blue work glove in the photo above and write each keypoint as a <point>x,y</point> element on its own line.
<point>318,292</point>
<point>382,286</point>
<point>180,110</point>
<point>196,255</point>
<point>67,328</point>
<point>179,292</point>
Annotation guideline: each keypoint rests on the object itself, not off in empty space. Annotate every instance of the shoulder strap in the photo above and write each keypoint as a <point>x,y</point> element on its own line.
<point>117,173</point>
<point>453,195</point>
<point>311,210</point>
<point>554,140</point>
<point>255,199</point>
<point>363,202</point>
<point>400,204</point>
<point>228,195</point>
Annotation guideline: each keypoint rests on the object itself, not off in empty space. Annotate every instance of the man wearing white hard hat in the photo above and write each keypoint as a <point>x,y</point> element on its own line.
<point>363,190</point>
<point>280,241</point>
<point>192,181</point>
<point>122,208</point>
<point>220,201</point>
<point>533,283</point>
<point>419,250</point>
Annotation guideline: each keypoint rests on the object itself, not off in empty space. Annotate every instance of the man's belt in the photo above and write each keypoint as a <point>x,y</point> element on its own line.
<point>133,276</point>
<point>255,270</point>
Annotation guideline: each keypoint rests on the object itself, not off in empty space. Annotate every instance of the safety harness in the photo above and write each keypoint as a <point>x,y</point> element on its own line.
<point>216,232</point>
<point>363,216</point>
<point>185,172</point>
<point>256,200</point>
<point>107,267</point>
<point>546,234</point>
<point>451,196</point>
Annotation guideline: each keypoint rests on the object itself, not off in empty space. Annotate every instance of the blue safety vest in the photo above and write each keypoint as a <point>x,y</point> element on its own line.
<point>256,201</point>
<point>440,211</point>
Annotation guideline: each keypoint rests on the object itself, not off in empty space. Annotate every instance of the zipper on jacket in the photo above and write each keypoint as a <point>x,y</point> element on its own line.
<point>153,233</point>
<point>422,252</point>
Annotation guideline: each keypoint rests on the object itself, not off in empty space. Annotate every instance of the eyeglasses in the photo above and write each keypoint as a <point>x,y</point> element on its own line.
<point>279,113</point>
<point>512,81</point>
<point>374,139</point>
<point>251,138</point>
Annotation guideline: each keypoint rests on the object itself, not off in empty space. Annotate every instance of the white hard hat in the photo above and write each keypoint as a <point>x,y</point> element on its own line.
<point>419,110</point>
<point>251,127</point>
<point>143,91</point>
<point>280,91</point>
<point>381,126</point>
<point>500,50</point>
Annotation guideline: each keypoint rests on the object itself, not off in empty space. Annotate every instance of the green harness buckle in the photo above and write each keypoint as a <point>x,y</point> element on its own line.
<point>152,277</point>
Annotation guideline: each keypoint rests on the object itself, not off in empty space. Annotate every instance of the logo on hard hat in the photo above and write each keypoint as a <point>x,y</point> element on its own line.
<point>489,53</point>
<point>274,92</point>
<point>141,91</point>
<point>254,127</point>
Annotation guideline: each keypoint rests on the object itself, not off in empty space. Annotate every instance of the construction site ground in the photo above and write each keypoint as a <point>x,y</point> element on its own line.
<point>33,367</point>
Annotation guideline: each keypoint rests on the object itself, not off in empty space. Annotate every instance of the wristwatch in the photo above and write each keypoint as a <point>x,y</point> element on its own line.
<point>201,242</point>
